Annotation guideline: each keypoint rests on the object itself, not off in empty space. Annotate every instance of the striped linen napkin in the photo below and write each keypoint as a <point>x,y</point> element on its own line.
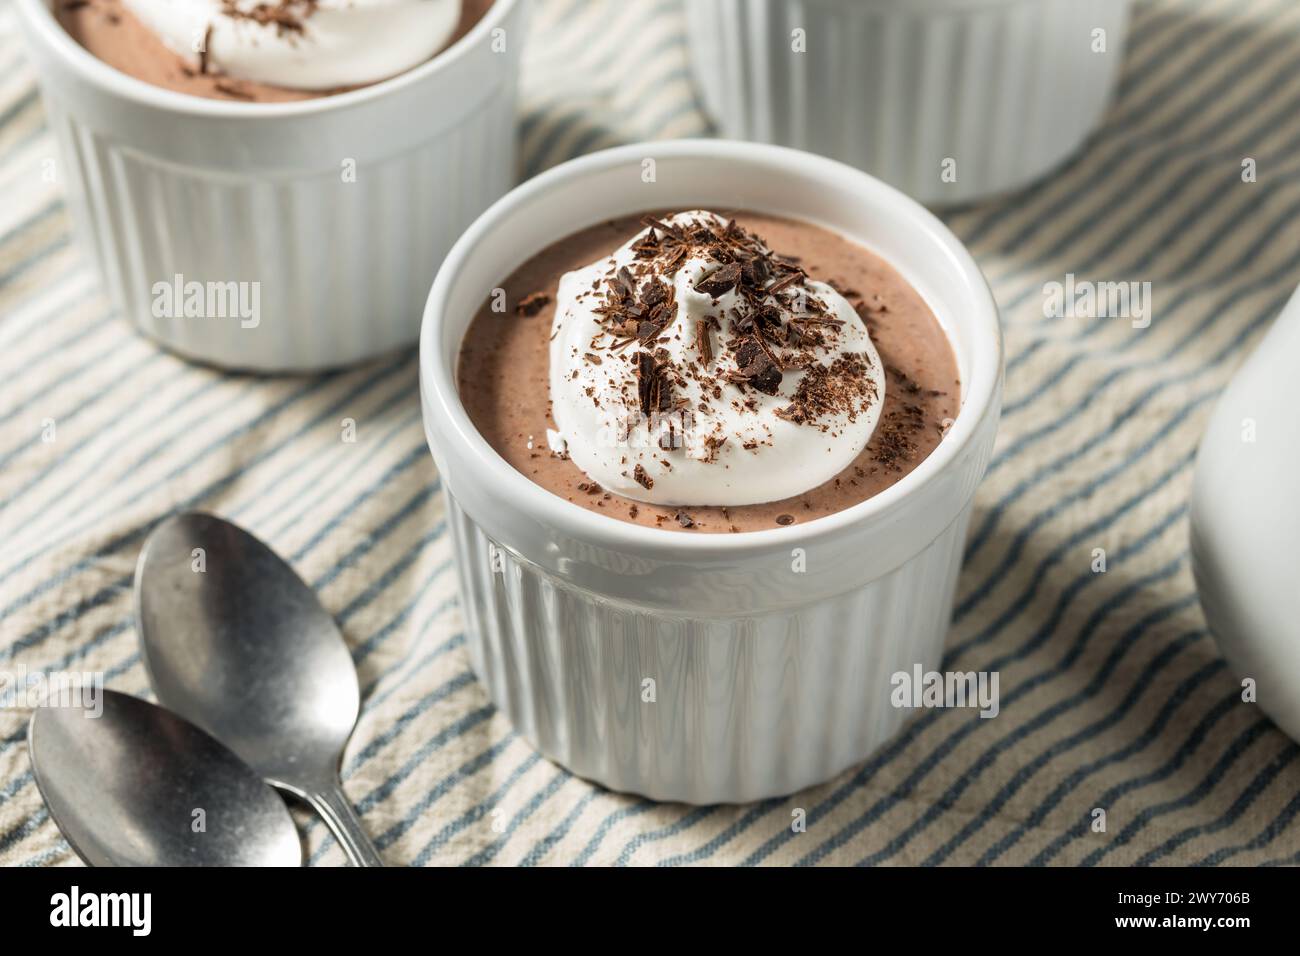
<point>1112,693</point>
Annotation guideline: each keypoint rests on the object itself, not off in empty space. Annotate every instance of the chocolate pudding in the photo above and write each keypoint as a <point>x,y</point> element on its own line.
<point>788,372</point>
<point>116,36</point>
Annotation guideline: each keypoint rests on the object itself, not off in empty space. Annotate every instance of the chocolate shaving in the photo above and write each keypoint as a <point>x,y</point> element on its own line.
<point>642,478</point>
<point>531,304</point>
<point>784,282</point>
<point>704,342</point>
<point>761,335</point>
<point>756,366</point>
<point>719,281</point>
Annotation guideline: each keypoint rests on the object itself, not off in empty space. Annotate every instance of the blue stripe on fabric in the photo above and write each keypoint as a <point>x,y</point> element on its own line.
<point>24,102</point>
<point>607,824</point>
<point>476,812</point>
<point>34,219</point>
<point>377,743</point>
<point>1048,429</point>
<point>1174,164</point>
<point>1026,529</point>
<point>680,825</point>
<point>45,857</point>
<point>61,418</point>
<point>146,426</point>
<point>409,460</point>
<point>544,845</point>
<point>385,376</point>
<point>751,816</point>
<point>466,770</point>
<point>1190,799</point>
<point>617,50</point>
<point>367,544</point>
<point>376,640</point>
<point>1239,806</point>
<point>1266,836</point>
<point>24,266</point>
<point>1072,782</point>
<point>338,478</point>
<point>407,659</point>
<point>998,509</point>
<point>1026,771</point>
<point>1016,607</point>
<point>137,533</point>
<point>1257,197</point>
<point>65,377</point>
<point>489,852</point>
<point>1083,827</point>
<point>43,308</point>
<point>24,829</point>
<point>561,125</point>
<point>1188,293</point>
<point>1218,237</point>
<point>1044,717</point>
<point>1291,860</point>
<point>458,729</point>
<point>154,425</point>
<point>598,134</point>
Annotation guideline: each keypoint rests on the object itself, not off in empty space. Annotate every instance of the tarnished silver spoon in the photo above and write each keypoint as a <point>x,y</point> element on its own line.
<point>135,785</point>
<point>235,641</point>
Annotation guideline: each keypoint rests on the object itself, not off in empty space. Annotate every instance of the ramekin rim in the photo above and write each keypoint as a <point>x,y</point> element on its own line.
<point>978,395</point>
<point>89,67</point>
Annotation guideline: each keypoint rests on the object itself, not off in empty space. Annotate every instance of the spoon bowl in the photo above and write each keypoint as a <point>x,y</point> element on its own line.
<point>236,642</point>
<point>139,786</point>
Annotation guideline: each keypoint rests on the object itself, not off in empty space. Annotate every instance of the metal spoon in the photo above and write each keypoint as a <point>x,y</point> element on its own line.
<point>235,641</point>
<point>138,786</point>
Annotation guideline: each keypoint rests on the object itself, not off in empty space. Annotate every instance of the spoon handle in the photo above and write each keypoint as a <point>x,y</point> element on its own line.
<point>336,810</point>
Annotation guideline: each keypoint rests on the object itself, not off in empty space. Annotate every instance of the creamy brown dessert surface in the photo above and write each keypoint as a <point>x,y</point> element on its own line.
<point>504,364</point>
<point>117,37</point>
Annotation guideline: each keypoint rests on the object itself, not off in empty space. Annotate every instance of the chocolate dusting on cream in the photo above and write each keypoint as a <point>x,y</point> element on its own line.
<point>286,16</point>
<point>776,325</point>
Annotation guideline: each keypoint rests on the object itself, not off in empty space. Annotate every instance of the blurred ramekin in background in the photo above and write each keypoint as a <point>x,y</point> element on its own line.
<point>949,100</point>
<point>340,208</point>
<point>767,680</point>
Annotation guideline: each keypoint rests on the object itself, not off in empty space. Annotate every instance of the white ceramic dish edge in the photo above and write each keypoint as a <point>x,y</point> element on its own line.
<point>1245,521</point>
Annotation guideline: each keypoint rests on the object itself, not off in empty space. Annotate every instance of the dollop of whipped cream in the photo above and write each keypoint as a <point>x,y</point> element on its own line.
<point>694,366</point>
<point>302,44</point>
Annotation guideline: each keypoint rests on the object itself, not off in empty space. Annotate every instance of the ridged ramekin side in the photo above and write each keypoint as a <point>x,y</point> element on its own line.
<point>280,237</point>
<point>342,266</point>
<point>739,708</point>
<point>993,92</point>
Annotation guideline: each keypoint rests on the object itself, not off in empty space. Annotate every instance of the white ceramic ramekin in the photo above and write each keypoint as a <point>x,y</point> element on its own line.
<point>340,208</point>
<point>1006,89</point>
<point>766,679</point>
<point>1245,521</point>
